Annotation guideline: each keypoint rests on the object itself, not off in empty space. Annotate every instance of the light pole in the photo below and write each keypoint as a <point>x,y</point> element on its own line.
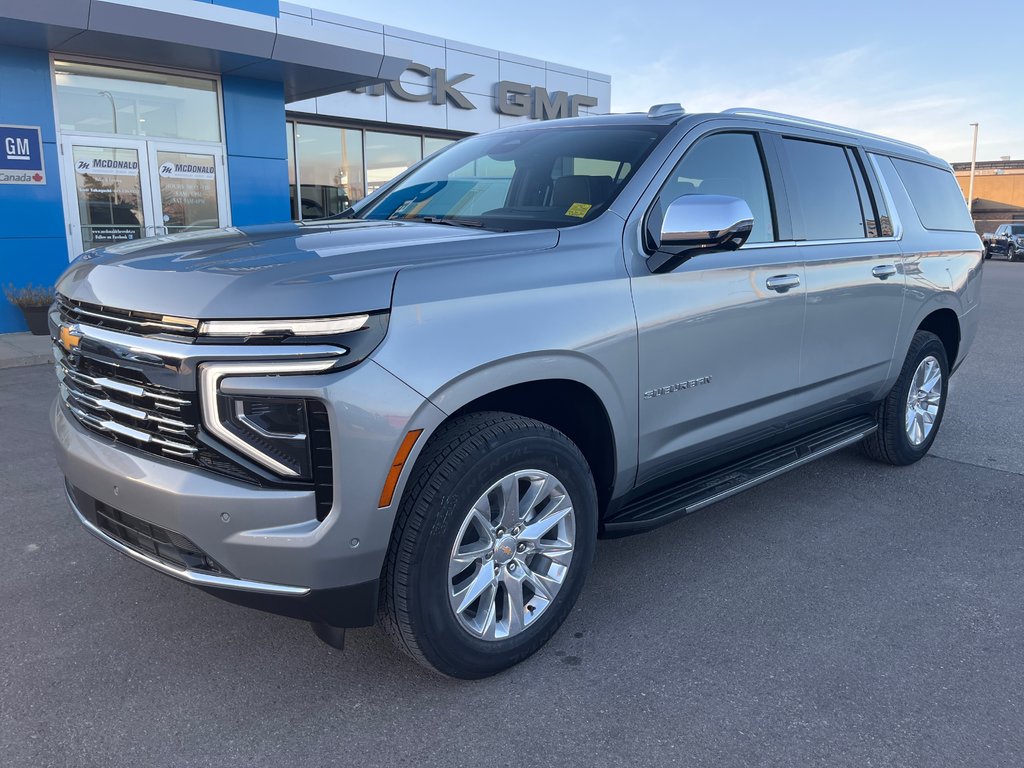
<point>113,106</point>
<point>974,157</point>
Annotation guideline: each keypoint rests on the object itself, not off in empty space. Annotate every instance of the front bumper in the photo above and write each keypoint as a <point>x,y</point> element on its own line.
<point>354,605</point>
<point>275,554</point>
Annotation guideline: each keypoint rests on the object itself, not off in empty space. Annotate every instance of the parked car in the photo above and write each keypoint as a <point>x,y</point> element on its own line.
<point>1007,240</point>
<point>424,413</point>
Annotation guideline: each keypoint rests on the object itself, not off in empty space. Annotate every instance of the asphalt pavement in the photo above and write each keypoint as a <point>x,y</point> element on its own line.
<point>845,614</point>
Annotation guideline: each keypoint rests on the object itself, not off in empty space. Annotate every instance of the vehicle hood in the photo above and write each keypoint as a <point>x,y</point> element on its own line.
<point>285,270</point>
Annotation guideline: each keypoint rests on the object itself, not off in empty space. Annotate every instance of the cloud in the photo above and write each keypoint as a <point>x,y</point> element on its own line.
<point>860,87</point>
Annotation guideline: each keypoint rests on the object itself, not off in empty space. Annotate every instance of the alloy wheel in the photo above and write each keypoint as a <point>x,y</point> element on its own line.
<point>511,555</point>
<point>923,400</point>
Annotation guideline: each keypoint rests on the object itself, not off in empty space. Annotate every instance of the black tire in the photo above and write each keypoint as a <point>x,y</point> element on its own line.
<point>464,458</point>
<point>1011,253</point>
<point>890,443</point>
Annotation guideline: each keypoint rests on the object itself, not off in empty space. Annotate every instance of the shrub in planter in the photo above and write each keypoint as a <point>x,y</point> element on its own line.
<point>34,303</point>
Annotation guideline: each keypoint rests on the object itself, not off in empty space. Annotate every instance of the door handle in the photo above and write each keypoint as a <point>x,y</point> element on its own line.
<point>782,283</point>
<point>884,271</point>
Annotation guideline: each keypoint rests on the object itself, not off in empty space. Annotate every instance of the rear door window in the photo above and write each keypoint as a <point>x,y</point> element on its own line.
<point>936,196</point>
<point>823,190</point>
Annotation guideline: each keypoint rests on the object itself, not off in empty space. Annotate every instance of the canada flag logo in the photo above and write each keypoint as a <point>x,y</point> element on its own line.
<point>38,177</point>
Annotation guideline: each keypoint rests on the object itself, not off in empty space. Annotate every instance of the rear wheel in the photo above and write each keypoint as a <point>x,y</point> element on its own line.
<point>909,417</point>
<point>492,543</point>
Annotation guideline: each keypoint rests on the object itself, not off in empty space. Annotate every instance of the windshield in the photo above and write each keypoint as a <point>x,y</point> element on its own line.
<point>528,179</point>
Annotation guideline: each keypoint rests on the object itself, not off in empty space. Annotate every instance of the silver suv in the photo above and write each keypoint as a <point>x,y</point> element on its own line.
<point>424,412</point>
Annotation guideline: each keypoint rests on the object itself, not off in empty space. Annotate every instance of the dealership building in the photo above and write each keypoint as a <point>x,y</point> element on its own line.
<point>122,119</point>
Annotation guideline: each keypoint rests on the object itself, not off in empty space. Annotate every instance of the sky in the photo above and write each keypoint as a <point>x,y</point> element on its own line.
<point>917,71</point>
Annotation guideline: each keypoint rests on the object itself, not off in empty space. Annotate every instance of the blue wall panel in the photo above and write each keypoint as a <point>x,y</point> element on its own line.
<point>254,129</point>
<point>259,190</point>
<point>254,123</point>
<point>33,247</point>
<point>266,7</point>
<point>35,260</point>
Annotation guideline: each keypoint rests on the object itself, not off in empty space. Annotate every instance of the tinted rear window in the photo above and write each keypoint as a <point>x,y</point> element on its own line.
<point>826,190</point>
<point>936,196</point>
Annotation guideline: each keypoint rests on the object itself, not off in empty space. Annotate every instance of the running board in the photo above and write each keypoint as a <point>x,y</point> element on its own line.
<point>667,504</point>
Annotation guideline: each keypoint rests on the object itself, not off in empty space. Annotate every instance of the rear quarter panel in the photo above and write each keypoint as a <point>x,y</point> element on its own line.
<point>942,268</point>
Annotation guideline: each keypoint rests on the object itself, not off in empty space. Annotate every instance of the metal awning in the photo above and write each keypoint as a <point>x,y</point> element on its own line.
<point>309,59</point>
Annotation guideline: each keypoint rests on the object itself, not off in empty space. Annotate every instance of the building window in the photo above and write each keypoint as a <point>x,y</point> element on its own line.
<point>432,144</point>
<point>92,98</point>
<point>330,168</point>
<point>389,154</point>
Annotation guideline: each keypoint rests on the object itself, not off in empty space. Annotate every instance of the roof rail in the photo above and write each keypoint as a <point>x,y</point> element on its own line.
<point>666,110</point>
<point>807,122</point>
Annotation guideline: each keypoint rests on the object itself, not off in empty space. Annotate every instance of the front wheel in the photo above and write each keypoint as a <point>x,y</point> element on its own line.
<point>1011,253</point>
<point>492,543</point>
<point>909,417</point>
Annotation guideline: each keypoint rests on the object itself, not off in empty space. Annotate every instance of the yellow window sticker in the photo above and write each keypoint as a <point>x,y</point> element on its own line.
<point>579,210</point>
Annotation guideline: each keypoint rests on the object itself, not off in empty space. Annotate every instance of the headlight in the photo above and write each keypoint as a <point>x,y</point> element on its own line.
<point>320,326</point>
<point>272,431</point>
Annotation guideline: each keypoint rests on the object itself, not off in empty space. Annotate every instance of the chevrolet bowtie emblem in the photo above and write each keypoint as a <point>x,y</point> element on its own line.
<point>70,336</point>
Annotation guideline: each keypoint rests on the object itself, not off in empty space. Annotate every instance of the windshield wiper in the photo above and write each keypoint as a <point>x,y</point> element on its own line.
<point>448,222</point>
<point>439,220</point>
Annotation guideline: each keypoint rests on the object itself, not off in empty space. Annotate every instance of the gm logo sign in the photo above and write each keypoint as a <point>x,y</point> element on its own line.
<point>17,148</point>
<point>21,155</point>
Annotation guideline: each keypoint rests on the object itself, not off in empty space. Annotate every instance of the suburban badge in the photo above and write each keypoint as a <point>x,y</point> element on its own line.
<point>670,388</point>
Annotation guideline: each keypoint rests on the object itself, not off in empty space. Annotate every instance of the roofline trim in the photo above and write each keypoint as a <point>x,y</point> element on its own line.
<point>809,123</point>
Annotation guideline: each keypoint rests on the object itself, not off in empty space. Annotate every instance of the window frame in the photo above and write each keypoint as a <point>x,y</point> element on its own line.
<point>777,200</point>
<point>882,204</point>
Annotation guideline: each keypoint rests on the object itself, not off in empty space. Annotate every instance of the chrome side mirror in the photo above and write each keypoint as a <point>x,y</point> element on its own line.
<point>694,224</point>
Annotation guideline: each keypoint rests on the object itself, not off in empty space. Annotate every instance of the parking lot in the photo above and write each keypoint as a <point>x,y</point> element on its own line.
<point>847,613</point>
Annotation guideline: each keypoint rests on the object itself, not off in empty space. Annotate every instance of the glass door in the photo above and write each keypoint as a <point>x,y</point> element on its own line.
<point>188,187</point>
<point>123,189</point>
<point>108,190</point>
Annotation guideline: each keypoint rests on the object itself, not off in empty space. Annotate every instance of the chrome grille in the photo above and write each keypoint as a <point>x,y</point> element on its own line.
<point>142,415</point>
<point>126,320</point>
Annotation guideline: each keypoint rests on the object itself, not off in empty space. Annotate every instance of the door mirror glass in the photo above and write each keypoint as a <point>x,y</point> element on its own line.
<point>695,224</point>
